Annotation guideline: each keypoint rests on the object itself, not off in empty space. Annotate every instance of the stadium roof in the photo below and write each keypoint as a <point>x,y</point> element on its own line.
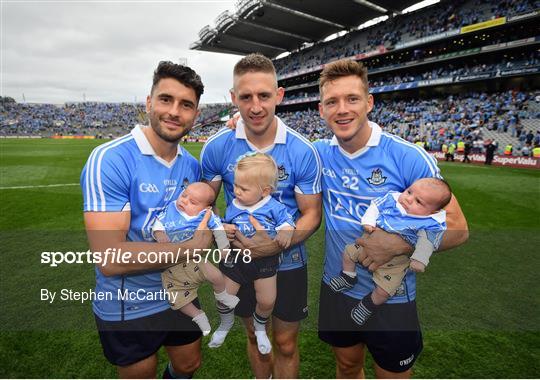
<point>272,27</point>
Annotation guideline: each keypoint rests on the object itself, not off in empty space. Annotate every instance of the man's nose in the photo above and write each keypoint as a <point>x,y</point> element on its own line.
<point>256,106</point>
<point>342,107</point>
<point>174,110</point>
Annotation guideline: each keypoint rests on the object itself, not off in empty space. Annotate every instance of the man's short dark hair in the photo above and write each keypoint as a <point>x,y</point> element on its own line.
<point>183,74</point>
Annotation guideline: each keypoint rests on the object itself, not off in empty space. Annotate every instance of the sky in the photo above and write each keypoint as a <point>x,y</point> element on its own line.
<point>64,51</point>
<point>56,51</point>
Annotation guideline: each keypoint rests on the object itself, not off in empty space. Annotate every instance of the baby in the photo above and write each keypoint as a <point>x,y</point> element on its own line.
<point>255,179</point>
<point>177,223</point>
<point>417,215</point>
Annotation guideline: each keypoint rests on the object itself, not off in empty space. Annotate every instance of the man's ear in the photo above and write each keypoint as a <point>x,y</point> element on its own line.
<point>371,102</point>
<point>280,94</point>
<point>148,103</point>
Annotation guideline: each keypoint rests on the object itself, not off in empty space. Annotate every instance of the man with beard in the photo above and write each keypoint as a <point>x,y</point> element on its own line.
<point>125,183</point>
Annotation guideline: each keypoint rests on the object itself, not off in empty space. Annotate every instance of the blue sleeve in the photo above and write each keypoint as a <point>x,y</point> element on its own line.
<point>105,181</point>
<point>197,169</point>
<point>210,161</point>
<point>308,171</point>
<point>214,222</point>
<point>435,237</point>
<point>385,201</point>
<point>281,215</point>
<point>416,163</point>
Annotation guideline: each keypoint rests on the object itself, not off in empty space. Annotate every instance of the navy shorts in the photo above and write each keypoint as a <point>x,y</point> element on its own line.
<point>392,335</point>
<point>291,299</point>
<point>245,273</point>
<point>128,342</point>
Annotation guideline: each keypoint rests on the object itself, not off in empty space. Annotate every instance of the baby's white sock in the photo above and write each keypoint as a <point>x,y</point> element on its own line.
<point>202,321</point>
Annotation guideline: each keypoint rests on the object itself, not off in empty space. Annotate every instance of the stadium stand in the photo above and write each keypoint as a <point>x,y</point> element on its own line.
<point>454,70</point>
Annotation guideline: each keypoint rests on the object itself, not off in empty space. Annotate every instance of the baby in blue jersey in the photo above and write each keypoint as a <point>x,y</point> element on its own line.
<point>417,215</point>
<point>177,223</point>
<point>255,179</point>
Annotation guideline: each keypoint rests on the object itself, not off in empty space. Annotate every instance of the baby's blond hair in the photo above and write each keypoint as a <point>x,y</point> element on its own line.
<point>259,168</point>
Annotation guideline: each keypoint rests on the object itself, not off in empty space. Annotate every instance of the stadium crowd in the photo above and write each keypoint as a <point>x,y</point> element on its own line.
<point>434,122</point>
<point>439,18</point>
<point>450,70</point>
<point>437,121</point>
<point>86,118</point>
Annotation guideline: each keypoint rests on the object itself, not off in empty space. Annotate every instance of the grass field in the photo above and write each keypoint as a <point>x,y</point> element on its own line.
<point>478,304</point>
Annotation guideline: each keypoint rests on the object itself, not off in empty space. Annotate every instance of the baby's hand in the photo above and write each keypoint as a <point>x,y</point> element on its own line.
<point>284,237</point>
<point>161,237</point>
<point>417,266</point>
<point>230,230</point>
<point>233,121</point>
<point>367,228</point>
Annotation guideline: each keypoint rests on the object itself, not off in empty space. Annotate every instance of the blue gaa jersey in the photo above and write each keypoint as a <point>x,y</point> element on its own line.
<point>272,215</point>
<point>392,217</point>
<point>126,175</point>
<point>180,226</point>
<point>299,171</point>
<point>351,181</point>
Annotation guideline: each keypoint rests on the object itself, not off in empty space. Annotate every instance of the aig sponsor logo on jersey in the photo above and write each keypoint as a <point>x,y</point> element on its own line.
<point>246,228</point>
<point>347,206</point>
<point>329,173</point>
<point>148,188</point>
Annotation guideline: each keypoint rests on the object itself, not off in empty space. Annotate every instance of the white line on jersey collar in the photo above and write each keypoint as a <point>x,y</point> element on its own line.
<point>374,139</point>
<point>251,209</point>
<point>281,133</point>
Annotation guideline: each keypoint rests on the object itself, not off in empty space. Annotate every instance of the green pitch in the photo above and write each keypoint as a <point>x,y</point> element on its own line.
<point>478,304</point>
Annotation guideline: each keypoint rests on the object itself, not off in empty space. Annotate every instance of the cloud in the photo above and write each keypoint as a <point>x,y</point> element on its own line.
<point>58,51</point>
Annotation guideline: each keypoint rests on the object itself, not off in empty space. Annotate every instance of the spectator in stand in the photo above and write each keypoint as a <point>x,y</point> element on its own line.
<point>529,137</point>
<point>467,150</point>
<point>490,147</point>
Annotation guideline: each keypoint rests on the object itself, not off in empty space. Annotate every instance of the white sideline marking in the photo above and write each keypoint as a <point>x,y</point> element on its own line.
<point>36,186</point>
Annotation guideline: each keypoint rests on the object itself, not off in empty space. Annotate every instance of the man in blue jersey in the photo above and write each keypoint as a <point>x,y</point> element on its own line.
<point>125,184</point>
<point>256,95</point>
<point>361,163</point>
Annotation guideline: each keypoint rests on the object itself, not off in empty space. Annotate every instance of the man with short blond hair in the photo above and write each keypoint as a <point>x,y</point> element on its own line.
<point>256,94</point>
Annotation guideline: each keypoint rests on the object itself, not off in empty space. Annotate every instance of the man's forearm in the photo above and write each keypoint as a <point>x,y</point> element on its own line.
<point>457,231</point>
<point>453,239</point>
<point>306,225</point>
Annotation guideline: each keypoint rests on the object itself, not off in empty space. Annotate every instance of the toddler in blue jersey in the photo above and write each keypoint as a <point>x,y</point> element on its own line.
<point>417,215</point>
<point>255,179</point>
<point>177,223</point>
